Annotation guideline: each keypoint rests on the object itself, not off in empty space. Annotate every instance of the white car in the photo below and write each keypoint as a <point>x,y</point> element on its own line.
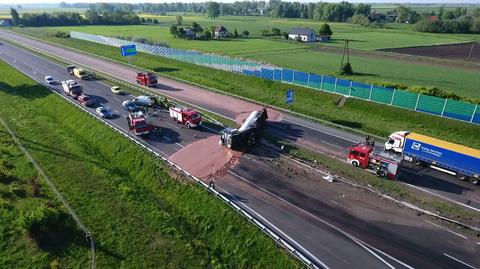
<point>143,100</point>
<point>50,80</point>
<point>117,90</point>
<point>104,112</point>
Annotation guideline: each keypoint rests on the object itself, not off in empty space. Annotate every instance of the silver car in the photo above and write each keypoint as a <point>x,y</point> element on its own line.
<point>104,112</point>
<point>50,80</point>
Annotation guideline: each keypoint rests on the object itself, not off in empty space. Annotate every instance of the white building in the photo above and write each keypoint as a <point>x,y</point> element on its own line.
<point>305,34</point>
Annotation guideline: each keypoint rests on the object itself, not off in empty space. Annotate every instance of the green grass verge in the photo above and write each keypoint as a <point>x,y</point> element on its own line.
<point>389,187</point>
<point>373,118</point>
<point>34,227</point>
<point>141,214</point>
<point>299,56</point>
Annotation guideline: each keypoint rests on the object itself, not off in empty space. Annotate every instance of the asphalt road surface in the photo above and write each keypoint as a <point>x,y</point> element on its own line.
<point>313,136</point>
<point>330,235</point>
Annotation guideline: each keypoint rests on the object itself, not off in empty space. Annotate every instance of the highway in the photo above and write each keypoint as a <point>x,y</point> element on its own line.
<point>304,133</point>
<point>331,232</point>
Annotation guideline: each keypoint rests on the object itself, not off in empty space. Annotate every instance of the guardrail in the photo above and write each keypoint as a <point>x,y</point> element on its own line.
<point>279,240</point>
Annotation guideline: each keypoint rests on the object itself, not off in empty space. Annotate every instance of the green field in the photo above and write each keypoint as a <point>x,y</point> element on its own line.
<point>300,57</point>
<point>362,37</point>
<point>369,117</point>
<point>141,214</point>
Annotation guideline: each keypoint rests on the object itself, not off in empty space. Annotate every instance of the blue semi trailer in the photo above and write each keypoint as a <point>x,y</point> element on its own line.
<point>461,160</point>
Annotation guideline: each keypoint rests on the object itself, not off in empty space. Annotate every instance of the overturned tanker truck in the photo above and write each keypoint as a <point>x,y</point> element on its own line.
<point>247,134</point>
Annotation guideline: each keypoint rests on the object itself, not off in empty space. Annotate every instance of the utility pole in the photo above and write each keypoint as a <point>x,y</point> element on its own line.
<point>347,52</point>
<point>471,50</point>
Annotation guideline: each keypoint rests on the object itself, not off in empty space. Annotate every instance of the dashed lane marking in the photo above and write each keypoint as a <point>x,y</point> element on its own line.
<point>460,261</point>
<point>443,228</point>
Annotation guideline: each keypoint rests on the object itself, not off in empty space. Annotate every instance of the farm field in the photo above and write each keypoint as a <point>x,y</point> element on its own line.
<point>301,57</point>
<point>139,215</point>
<point>357,114</point>
<point>362,37</point>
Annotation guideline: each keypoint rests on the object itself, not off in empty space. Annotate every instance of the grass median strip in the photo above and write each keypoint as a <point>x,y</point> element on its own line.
<point>141,214</point>
<point>369,117</point>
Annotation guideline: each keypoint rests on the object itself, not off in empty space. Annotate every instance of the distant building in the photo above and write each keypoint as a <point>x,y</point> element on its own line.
<point>323,38</point>
<point>6,22</point>
<point>302,34</point>
<point>433,18</point>
<point>190,34</point>
<point>220,31</point>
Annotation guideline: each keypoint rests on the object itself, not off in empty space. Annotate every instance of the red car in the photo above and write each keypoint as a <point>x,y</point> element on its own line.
<point>85,100</point>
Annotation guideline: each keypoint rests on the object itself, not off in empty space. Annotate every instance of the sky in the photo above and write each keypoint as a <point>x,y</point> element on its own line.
<point>190,1</point>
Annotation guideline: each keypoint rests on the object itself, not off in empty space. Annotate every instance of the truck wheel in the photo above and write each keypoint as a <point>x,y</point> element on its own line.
<point>355,163</point>
<point>474,180</point>
<point>229,143</point>
<point>462,177</point>
<point>381,173</point>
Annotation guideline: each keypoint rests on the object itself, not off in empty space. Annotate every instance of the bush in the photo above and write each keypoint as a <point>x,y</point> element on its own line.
<point>360,20</point>
<point>347,69</point>
<point>61,34</point>
<point>325,30</point>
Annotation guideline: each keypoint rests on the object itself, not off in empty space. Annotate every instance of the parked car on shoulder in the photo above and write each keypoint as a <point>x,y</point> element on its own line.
<point>50,80</point>
<point>117,90</point>
<point>85,100</point>
<point>130,106</point>
<point>144,100</point>
<point>104,112</point>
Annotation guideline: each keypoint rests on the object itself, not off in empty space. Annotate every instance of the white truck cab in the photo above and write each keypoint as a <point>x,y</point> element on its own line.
<point>395,141</point>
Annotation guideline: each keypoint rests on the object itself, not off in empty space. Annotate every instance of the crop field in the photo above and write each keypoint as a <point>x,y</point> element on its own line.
<point>357,114</point>
<point>302,57</point>
<point>361,37</point>
<point>140,213</point>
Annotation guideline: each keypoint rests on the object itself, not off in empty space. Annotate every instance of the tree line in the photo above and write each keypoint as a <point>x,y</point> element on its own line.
<point>456,21</point>
<point>91,17</point>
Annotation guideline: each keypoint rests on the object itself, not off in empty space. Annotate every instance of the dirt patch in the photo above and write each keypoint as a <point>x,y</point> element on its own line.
<point>205,158</point>
<point>273,115</point>
<point>463,52</point>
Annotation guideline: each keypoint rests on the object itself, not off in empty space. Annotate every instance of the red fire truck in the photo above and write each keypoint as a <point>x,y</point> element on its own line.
<point>137,122</point>
<point>380,162</point>
<point>187,116</point>
<point>147,79</point>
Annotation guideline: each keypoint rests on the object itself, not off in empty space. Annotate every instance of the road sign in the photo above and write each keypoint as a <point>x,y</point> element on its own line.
<point>289,96</point>
<point>128,50</point>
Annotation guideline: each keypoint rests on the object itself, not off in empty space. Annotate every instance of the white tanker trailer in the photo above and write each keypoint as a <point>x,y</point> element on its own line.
<point>247,134</point>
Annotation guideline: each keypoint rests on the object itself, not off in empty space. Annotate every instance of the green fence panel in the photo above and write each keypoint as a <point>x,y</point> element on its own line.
<point>405,99</point>
<point>382,95</point>
<point>328,83</point>
<point>459,110</point>
<point>360,90</point>
<point>343,87</point>
<point>430,104</point>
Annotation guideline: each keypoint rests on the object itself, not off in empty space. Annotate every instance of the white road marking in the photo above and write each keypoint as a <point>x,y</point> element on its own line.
<point>443,228</point>
<point>174,126</point>
<point>460,261</point>
<point>478,243</point>
<point>441,196</point>
<point>166,137</point>
<point>351,237</point>
<point>117,99</point>
<point>283,234</point>
<point>180,145</point>
<point>337,203</point>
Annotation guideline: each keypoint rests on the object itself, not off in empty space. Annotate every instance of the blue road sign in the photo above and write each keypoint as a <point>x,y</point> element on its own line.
<point>128,50</point>
<point>289,97</point>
